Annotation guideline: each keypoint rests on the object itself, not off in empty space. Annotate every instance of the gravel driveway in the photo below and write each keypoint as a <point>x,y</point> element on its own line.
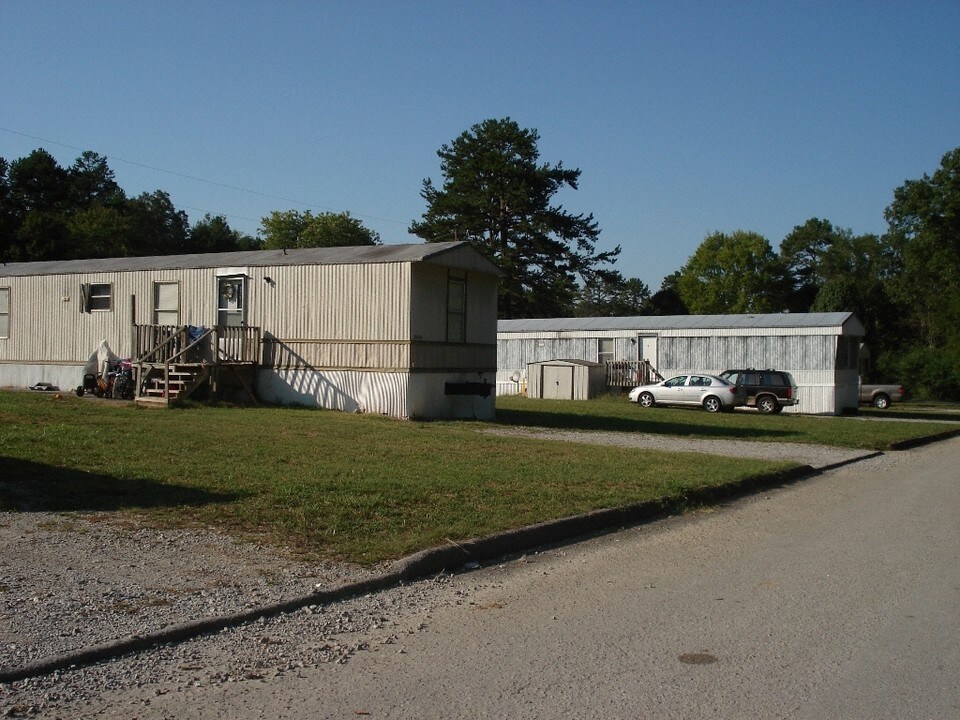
<point>74,581</point>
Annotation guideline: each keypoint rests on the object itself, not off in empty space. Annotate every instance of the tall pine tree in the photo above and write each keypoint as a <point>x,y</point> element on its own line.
<point>497,196</point>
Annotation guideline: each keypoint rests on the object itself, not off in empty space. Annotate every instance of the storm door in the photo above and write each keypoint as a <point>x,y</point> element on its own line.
<point>230,304</point>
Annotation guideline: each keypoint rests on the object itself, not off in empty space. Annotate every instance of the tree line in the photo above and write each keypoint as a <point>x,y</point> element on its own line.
<point>48,212</point>
<point>497,194</point>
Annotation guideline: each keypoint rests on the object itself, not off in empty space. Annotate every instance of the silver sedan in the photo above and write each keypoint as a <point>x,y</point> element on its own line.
<point>710,392</point>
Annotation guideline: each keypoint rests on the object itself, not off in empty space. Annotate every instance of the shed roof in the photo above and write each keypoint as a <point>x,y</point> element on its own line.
<point>456,254</point>
<point>679,322</point>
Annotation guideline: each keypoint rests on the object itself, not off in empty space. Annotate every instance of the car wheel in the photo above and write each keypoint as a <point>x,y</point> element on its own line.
<point>767,404</point>
<point>646,400</point>
<point>881,401</point>
<point>712,404</point>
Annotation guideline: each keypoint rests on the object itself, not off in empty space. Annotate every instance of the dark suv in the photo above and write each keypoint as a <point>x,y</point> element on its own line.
<point>767,390</point>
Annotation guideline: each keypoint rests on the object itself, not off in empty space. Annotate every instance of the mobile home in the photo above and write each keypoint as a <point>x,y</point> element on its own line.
<point>820,350</point>
<point>399,330</point>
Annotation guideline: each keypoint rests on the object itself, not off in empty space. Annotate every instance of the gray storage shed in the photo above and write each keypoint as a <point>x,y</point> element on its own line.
<point>565,379</point>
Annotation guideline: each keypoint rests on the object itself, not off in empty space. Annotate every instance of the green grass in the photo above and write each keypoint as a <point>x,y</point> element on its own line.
<point>353,487</point>
<point>616,413</point>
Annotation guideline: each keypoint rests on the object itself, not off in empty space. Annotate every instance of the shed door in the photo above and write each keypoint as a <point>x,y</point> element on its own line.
<point>557,383</point>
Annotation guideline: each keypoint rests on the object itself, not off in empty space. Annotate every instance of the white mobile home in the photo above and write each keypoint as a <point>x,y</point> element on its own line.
<point>400,330</point>
<point>820,350</point>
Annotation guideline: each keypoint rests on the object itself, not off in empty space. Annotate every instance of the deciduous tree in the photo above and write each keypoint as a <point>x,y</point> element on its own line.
<point>214,234</point>
<point>293,229</point>
<point>924,221</point>
<point>736,273</point>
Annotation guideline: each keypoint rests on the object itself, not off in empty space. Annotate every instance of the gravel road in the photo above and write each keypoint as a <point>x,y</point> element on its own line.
<point>69,582</point>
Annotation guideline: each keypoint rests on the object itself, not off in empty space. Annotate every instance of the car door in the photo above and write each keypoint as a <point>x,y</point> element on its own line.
<point>672,391</point>
<point>697,387</point>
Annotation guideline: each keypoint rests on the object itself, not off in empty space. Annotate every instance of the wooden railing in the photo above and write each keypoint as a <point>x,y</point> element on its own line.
<point>630,373</point>
<point>174,360</point>
<point>237,344</point>
<point>158,344</point>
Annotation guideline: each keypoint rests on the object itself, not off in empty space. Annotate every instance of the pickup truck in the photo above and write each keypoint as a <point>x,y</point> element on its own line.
<point>880,396</point>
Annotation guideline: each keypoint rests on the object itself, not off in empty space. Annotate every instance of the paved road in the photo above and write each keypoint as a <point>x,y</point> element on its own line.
<point>837,597</point>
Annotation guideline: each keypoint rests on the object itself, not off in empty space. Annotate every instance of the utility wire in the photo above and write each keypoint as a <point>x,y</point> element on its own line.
<point>175,173</point>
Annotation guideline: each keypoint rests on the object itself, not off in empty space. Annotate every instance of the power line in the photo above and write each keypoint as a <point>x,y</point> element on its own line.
<point>186,176</point>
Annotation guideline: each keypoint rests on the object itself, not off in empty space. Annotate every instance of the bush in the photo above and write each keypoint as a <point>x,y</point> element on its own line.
<point>927,373</point>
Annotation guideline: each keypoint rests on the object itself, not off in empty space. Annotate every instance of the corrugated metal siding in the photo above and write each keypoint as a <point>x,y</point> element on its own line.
<point>319,303</point>
<point>517,354</point>
<point>428,356</point>
<point>337,302</point>
<point>350,391</point>
<point>716,354</point>
<point>428,321</point>
<point>46,324</point>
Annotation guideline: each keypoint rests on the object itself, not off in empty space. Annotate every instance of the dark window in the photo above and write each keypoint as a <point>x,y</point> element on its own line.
<point>97,297</point>
<point>456,307</point>
<point>848,353</point>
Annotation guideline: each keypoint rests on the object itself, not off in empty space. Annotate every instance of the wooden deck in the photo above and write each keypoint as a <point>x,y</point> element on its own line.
<point>179,361</point>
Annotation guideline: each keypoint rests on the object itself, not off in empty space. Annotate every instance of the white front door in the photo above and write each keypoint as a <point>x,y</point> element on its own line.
<point>647,348</point>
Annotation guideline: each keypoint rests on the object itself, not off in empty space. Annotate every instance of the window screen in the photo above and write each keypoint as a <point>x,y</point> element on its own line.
<point>605,350</point>
<point>4,312</point>
<point>166,303</point>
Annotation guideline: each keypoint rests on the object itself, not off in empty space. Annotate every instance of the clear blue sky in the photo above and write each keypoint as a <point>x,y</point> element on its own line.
<point>685,118</point>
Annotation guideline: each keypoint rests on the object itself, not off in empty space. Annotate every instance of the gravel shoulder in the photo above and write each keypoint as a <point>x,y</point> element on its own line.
<point>69,582</point>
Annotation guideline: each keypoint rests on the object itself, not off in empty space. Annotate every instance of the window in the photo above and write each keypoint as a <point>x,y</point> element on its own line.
<point>166,303</point>
<point>4,312</point>
<point>97,297</point>
<point>848,353</point>
<point>605,350</point>
<point>456,307</point>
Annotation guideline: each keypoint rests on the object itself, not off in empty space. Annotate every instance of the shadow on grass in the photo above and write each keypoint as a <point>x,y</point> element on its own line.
<point>573,421</point>
<point>33,487</point>
<point>931,414</point>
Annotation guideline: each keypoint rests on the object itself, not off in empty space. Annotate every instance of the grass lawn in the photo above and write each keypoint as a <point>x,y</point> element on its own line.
<point>617,414</point>
<point>354,487</point>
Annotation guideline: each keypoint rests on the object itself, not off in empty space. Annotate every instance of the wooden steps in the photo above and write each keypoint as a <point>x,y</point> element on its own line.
<point>182,379</point>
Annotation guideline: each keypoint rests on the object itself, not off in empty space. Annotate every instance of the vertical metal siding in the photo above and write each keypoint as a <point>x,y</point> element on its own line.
<point>807,353</point>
